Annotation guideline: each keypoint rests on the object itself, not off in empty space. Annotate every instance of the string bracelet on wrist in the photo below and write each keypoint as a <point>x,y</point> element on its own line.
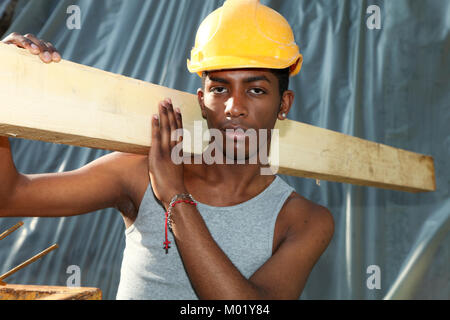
<point>179,198</point>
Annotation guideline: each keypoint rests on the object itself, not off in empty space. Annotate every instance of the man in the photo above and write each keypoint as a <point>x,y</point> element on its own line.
<point>229,232</point>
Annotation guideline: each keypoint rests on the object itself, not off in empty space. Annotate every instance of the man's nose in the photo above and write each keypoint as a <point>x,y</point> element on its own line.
<point>235,107</point>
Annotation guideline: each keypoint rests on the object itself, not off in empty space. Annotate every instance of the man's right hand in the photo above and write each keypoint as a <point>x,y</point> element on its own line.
<point>45,50</point>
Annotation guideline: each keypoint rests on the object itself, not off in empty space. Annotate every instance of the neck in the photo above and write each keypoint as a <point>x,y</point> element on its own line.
<point>235,176</point>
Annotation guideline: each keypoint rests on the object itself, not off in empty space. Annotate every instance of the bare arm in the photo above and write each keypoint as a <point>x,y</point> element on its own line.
<point>8,172</point>
<point>95,186</point>
<point>283,276</point>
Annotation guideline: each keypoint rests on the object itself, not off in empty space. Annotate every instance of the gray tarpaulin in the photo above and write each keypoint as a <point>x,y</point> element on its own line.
<point>389,85</point>
<point>3,5</point>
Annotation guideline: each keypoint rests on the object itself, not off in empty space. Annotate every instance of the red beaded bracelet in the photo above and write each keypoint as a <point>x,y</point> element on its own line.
<point>168,220</point>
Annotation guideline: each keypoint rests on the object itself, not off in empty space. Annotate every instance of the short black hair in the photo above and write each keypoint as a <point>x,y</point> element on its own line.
<point>283,79</point>
<point>281,74</point>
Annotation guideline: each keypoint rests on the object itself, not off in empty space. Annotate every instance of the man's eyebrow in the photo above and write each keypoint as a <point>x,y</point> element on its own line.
<point>221,80</point>
<point>247,80</point>
<point>257,78</point>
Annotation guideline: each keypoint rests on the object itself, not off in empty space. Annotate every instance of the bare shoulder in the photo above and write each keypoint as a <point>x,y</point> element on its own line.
<point>131,168</point>
<point>124,160</point>
<point>126,157</point>
<point>304,217</point>
<point>123,165</point>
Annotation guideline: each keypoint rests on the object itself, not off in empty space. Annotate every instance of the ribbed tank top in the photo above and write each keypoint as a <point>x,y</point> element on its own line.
<point>243,231</point>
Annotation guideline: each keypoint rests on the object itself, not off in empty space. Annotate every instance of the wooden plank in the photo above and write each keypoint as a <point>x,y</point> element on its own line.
<point>328,155</point>
<point>35,292</point>
<point>72,104</point>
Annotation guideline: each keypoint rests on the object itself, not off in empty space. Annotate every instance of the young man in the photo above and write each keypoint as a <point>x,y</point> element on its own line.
<point>235,233</point>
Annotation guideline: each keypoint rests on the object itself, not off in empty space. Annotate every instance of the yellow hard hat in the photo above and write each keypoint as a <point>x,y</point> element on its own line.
<point>244,34</point>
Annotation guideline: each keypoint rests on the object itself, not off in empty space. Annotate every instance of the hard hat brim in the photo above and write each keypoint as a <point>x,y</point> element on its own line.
<point>228,63</point>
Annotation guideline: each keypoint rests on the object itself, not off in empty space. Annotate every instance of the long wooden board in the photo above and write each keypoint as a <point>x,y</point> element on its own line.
<point>72,104</point>
<point>36,292</point>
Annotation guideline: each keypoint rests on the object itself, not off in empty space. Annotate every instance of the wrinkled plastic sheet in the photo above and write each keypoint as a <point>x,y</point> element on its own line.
<point>388,85</point>
<point>3,5</point>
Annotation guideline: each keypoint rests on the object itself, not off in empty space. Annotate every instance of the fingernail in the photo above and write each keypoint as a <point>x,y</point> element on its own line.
<point>178,110</point>
<point>47,56</point>
<point>155,116</point>
<point>34,47</point>
<point>56,56</point>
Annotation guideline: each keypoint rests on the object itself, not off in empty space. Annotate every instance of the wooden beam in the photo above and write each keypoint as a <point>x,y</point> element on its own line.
<point>72,104</point>
<point>38,292</point>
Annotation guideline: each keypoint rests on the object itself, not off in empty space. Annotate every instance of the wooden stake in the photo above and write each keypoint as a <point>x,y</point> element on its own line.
<point>11,230</point>
<point>31,260</point>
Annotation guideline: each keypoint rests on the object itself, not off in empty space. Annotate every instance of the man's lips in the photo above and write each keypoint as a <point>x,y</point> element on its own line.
<point>235,132</point>
<point>234,127</point>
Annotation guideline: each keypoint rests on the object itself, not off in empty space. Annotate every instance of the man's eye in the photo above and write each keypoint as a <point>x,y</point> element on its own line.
<point>218,90</point>
<point>257,91</point>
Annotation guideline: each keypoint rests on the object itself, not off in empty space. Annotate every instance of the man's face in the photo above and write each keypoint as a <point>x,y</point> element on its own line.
<point>244,98</point>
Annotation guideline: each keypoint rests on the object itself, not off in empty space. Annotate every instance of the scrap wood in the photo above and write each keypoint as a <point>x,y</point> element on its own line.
<point>11,230</point>
<point>24,264</point>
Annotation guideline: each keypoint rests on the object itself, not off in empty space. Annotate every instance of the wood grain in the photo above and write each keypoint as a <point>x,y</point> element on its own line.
<point>72,104</point>
<point>35,292</point>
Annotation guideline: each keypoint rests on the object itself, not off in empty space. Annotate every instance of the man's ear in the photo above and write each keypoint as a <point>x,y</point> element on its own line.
<point>200,97</point>
<point>287,101</point>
